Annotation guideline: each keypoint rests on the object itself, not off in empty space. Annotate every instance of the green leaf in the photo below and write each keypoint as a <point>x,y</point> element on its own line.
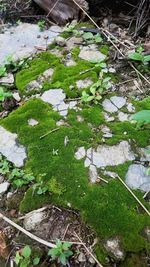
<point>142,116</point>
<point>147,58</point>
<point>136,56</point>
<point>66,245</point>
<point>36,261</point>
<point>26,252</point>
<point>63,259</point>
<point>88,36</point>
<point>98,38</point>
<point>2,71</point>
<point>18,258</point>
<point>90,98</point>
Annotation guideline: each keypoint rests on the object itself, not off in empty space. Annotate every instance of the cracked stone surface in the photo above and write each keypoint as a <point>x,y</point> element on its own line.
<point>105,155</point>
<point>56,98</point>
<point>110,155</point>
<point>136,177</point>
<point>90,53</point>
<point>113,245</point>
<point>109,106</point>
<point>23,40</point>
<point>9,148</point>
<point>118,101</point>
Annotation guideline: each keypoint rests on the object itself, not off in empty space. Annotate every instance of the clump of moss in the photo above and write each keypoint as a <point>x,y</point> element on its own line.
<point>108,208</point>
<point>36,67</point>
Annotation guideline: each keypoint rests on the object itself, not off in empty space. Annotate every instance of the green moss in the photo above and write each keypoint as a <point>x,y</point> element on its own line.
<point>93,115</point>
<point>36,67</point>
<point>135,260</point>
<point>108,208</point>
<point>126,131</point>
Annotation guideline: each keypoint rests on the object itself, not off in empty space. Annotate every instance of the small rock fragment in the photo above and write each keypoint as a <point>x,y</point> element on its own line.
<point>17,97</point>
<point>81,257</point>
<point>118,101</point>
<point>93,174</point>
<point>109,106</point>
<point>80,154</point>
<point>48,73</point>
<point>33,122</point>
<point>7,80</point>
<point>60,41</point>
<point>113,245</point>
<point>90,53</point>
<point>34,218</point>
<point>81,84</point>
<point>122,116</point>
<point>4,187</point>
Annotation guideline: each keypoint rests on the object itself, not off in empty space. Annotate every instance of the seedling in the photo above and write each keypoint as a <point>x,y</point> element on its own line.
<point>41,25</point>
<point>138,56</point>
<point>4,95</point>
<point>62,252</point>
<point>92,38</point>
<point>23,258</point>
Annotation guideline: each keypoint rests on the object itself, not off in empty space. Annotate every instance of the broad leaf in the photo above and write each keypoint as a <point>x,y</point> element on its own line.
<point>136,56</point>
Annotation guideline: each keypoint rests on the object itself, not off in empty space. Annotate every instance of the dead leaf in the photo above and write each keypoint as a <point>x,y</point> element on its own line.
<point>4,251</point>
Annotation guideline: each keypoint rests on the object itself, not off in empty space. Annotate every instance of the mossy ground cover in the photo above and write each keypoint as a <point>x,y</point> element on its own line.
<point>108,208</point>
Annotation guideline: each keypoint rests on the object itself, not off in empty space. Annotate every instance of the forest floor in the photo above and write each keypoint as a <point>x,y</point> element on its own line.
<point>67,132</point>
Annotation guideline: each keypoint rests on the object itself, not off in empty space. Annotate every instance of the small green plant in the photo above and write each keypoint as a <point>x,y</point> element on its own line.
<point>96,90</point>
<point>2,71</point>
<point>4,166</point>
<point>51,186</point>
<point>23,258</point>
<point>62,252</point>
<point>41,24</point>
<point>141,118</point>
<point>13,65</point>
<point>4,94</point>
<point>139,57</point>
<point>92,38</point>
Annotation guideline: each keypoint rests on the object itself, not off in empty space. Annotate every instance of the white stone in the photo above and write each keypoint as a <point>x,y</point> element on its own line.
<point>90,54</point>
<point>34,218</point>
<point>33,85</point>
<point>80,154</point>
<point>109,106</point>
<point>48,73</point>
<point>122,116</point>
<point>17,97</point>
<point>60,41</point>
<point>107,117</point>
<point>93,174</point>
<point>130,107</point>
<point>87,162</point>
<point>73,42</point>
<point>10,148</point>
<point>118,101</point>
<point>113,245</point>
<point>4,187</point>
<point>53,96</point>
<point>7,80</point>
<point>110,155</point>
<point>33,122</point>
<point>81,84</point>
<point>137,178</point>
<point>23,42</point>
<point>70,62</point>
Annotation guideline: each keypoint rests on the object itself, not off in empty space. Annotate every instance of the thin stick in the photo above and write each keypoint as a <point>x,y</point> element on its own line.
<point>52,131</point>
<point>146,210</point>
<point>88,251</point>
<point>21,229</point>
<point>103,179</point>
<point>106,33</point>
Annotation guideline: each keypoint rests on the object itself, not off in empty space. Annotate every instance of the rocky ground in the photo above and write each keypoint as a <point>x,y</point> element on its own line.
<point>62,154</point>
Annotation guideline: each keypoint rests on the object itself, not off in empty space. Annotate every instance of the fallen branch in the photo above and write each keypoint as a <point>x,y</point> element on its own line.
<point>21,229</point>
<point>52,131</point>
<point>146,210</point>
<point>109,35</point>
<point>88,251</point>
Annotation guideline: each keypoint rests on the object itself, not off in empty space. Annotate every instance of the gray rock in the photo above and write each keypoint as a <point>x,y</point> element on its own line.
<point>23,42</point>
<point>33,122</point>
<point>73,42</point>
<point>81,257</point>
<point>33,85</point>
<point>70,62</point>
<point>130,107</point>
<point>48,73</point>
<point>110,155</point>
<point>122,116</point>
<point>7,80</point>
<point>109,106</point>
<point>80,154</point>
<point>113,245</point>
<point>4,187</point>
<point>16,96</point>
<point>93,174</point>
<point>34,218</point>
<point>60,41</point>
<point>10,148</point>
<point>90,54</point>
<point>81,84</point>
<point>54,97</point>
<point>118,101</point>
<point>107,117</point>
<point>136,178</point>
